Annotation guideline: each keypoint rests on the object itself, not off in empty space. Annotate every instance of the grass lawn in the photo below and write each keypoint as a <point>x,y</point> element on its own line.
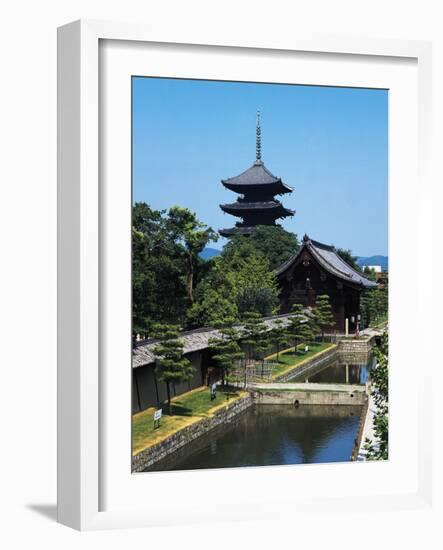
<point>186,409</point>
<point>379,321</point>
<point>288,359</point>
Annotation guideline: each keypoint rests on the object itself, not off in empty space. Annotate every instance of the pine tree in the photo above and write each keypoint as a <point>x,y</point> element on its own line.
<point>172,366</point>
<point>225,346</point>
<point>306,333</point>
<point>253,332</point>
<point>323,314</point>
<point>278,336</point>
<point>296,321</point>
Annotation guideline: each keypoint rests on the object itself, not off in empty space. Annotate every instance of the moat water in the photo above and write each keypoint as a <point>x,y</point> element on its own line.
<point>339,370</point>
<point>269,435</point>
<point>266,435</point>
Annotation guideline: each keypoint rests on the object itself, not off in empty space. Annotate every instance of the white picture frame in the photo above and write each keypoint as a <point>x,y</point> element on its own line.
<point>82,398</point>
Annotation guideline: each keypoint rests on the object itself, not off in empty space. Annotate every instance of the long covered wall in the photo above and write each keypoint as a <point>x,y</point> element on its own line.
<point>147,391</point>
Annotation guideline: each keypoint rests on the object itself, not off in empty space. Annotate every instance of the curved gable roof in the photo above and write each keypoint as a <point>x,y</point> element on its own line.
<point>328,258</point>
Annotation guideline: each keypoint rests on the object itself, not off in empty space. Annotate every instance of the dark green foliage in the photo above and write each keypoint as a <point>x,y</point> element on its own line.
<point>349,258</point>
<point>157,272</point>
<point>172,367</point>
<point>236,283</point>
<point>323,316</point>
<point>193,235</point>
<point>369,272</point>
<point>214,297</point>
<point>261,300</point>
<point>225,348</point>
<point>272,242</point>
<point>278,336</point>
<point>379,448</point>
<point>374,305</point>
<point>306,333</point>
<point>254,333</point>
<point>295,329</point>
<point>165,264</point>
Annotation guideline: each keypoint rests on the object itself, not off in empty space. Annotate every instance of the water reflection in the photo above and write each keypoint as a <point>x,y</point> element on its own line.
<point>271,435</point>
<point>340,369</point>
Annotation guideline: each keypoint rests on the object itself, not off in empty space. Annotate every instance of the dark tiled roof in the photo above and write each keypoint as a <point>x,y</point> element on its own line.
<point>235,231</point>
<point>193,340</point>
<point>256,175</point>
<point>256,205</point>
<point>328,258</point>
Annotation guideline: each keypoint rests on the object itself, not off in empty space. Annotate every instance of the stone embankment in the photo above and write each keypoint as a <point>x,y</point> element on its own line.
<point>308,394</point>
<point>301,368</point>
<point>154,453</point>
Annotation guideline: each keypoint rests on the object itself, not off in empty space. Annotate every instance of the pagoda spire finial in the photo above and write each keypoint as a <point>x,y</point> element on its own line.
<point>258,140</point>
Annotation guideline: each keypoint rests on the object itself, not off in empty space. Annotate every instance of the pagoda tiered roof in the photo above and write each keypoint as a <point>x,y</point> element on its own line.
<point>257,204</point>
<point>241,207</point>
<point>257,178</point>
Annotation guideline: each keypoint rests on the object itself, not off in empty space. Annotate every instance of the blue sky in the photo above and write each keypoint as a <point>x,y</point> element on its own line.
<point>330,144</point>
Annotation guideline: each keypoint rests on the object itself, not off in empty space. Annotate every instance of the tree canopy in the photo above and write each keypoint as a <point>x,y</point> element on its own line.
<point>237,282</point>
<point>165,264</point>
<point>270,241</point>
<point>378,448</point>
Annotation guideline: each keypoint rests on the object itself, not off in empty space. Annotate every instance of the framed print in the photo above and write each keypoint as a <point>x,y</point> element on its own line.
<point>231,220</point>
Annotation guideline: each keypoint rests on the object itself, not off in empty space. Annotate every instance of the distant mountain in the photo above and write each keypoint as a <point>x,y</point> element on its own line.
<point>373,260</point>
<point>208,253</point>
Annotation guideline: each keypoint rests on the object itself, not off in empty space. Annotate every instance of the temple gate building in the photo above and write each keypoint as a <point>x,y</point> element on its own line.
<point>317,269</point>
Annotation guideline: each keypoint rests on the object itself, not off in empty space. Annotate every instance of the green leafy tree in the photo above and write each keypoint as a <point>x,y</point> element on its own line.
<point>194,235</point>
<point>278,336</point>
<point>172,367</point>
<point>378,448</point>
<point>349,258</point>
<point>215,297</point>
<point>324,318</point>
<point>165,264</point>
<point>142,282</point>
<point>261,300</point>
<point>158,263</point>
<point>255,285</point>
<point>212,306</point>
<point>225,347</point>
<point>374,305</point>
<point>369,272</point>
<point>272,242</point>
<point>233,286</point>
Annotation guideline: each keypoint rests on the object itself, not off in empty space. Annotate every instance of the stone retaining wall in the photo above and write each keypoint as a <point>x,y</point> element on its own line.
<point>307,397</point>
<point>315,361</point>
<point>359,439</point>
<point>355,346</point>
<point>153,454</point>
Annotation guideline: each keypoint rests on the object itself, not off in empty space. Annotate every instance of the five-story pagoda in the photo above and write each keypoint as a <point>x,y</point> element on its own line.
<point>257,188</point>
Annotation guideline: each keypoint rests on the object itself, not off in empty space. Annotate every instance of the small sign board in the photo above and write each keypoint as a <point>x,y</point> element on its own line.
<point>213,391</point>
<point>157,417</point>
